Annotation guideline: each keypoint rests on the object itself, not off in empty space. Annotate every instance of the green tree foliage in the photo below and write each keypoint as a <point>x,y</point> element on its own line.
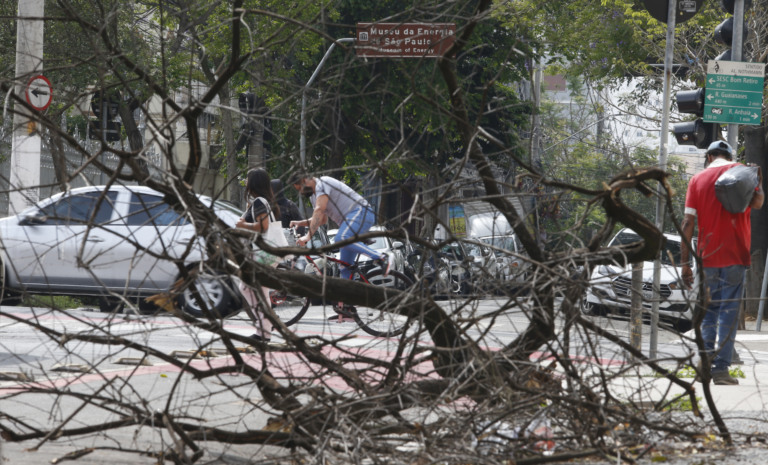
<point>386,110</point>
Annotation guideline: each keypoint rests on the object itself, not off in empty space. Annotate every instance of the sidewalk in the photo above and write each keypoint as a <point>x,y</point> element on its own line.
<point>750,395</point>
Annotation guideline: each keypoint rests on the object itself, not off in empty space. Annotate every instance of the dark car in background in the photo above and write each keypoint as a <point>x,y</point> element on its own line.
<point>444,271</point>
<point>610,286</point>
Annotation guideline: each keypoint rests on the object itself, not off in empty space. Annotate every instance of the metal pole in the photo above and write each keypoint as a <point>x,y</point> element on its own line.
<point>303,138</point>
<point>761,307</point>
<point>536,141</point>
<point>736,52</point>
<point>733,133</point>
<point>664,136</point>
<point>636,308</point>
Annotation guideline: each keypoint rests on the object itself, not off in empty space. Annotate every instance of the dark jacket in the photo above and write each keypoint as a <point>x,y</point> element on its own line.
<point>289,211</point>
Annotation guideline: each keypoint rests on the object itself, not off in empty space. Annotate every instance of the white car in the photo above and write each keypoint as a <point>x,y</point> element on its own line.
<point>510,255</point>
<point>331,233</point>
<point>610,288</point>
<point>486,266</point>
<point>123,241</point>
<point>383,245</point>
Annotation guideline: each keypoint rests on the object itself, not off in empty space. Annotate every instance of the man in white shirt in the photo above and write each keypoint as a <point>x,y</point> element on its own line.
<point>333,199</point>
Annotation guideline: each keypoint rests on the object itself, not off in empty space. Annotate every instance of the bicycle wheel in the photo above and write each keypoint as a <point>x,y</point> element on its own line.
<point>289,308</point>
<point>382,322</point>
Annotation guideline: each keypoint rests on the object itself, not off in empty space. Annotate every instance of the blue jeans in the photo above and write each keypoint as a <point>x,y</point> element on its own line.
<point>358,221</point>
<point>721,320</point>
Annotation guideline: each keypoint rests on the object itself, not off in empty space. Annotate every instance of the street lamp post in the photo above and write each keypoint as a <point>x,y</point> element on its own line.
<point>303,137</point>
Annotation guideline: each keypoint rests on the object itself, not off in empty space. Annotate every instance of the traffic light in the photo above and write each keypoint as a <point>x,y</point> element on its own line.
<point>724,30</point>
<point>104,106</point>
<point>730,5</point>
<point>695,132</point>
<point>248,103</point>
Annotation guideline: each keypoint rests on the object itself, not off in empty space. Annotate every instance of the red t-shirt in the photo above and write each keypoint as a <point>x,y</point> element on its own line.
<point>724,237</point>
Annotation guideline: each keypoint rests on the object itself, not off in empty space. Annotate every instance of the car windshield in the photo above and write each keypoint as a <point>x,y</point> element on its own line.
<point>453,250</point>
<point>501,242</point>
<point>379,243</point>
<point>317,241</point>
<point>225,206</point>
<point>474,250</point>
<point>669,256</point>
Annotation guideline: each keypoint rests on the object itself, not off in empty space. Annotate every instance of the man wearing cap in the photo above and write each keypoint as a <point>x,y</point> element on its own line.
<point>332,198</point>
<point>724,241</point>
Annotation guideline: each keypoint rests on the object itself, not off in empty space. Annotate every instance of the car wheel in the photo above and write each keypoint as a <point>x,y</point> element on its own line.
<point>110,304</point>
<point>7,296</point>
<point>459,287</point>
<point>148,308</point>
<point>218,291</point>
<point>682,325</point>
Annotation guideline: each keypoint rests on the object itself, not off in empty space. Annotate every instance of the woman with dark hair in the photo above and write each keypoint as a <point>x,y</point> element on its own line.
<point>258,185</point>
<point>261,211</point>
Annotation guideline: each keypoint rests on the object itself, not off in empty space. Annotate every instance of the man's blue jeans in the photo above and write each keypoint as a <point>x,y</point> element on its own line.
<point>358,221</point>
<point>722,317</point>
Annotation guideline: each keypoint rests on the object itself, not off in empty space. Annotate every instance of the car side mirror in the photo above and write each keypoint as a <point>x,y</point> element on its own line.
<point>33,219</point>
<point>397,245</point>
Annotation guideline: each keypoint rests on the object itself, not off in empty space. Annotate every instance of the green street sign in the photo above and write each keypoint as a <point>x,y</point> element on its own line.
<point>734,92</point>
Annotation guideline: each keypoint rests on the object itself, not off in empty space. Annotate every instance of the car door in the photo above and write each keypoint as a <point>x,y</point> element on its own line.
<point>153,236</point>
<point>55,247</point>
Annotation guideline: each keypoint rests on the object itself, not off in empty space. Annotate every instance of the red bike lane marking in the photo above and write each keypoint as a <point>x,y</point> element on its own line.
<point>282,365</point>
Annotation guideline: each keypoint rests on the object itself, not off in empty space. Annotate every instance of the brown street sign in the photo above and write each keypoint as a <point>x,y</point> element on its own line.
<point>404,40</point>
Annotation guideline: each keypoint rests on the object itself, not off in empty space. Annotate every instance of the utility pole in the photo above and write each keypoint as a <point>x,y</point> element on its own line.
<point>26,143</point>
<point>536,141</point>
<point>663,140</point>
<point>737,46</point>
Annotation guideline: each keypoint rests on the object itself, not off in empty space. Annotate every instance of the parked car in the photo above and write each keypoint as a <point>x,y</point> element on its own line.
<point>383,245</point>
<point>484,264</point>
<point>331,233</point>
<point>510,255</point>
<point>610,289</point>
<point>109,242</point>
<point>444,271</point>
<point>321,265</point>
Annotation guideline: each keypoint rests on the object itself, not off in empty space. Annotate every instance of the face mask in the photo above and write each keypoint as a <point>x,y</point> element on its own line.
<point>306,191</point>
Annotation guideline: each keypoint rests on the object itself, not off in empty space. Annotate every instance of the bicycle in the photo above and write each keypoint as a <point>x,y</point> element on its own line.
<point>376,322</point>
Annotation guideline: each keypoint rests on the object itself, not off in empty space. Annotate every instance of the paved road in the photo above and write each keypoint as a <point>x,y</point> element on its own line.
<point>27,353</point>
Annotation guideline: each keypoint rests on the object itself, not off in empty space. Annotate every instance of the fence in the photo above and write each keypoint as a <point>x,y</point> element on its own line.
<point>49,184</point>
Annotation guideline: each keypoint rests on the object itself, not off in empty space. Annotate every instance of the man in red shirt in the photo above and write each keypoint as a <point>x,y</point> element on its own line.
<point>724,242</point>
